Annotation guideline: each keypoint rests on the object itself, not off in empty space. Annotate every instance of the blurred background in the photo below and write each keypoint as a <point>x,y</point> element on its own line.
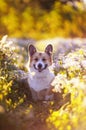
<point>41,19</point>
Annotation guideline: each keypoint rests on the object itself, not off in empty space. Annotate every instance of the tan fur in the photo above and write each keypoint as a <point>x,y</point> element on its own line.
<point>40,55</point>
<point>40,77</point>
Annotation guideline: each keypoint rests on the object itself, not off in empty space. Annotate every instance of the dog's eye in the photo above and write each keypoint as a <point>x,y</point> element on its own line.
<point>36,59</point>
<point>43,59</point>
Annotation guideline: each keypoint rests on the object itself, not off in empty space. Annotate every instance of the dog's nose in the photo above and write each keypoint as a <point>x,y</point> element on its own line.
<point>39,66</point>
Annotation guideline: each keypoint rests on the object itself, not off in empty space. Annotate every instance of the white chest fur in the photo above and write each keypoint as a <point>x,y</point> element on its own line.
<point>40,81</point>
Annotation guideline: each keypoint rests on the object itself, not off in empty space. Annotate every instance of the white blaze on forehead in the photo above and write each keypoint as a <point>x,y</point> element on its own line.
<point>40,56</point>
<point>40,62</point>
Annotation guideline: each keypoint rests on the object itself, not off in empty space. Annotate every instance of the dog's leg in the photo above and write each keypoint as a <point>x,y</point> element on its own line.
<point>34,94</point>
<point>41,94</point>
<point>49,94</point>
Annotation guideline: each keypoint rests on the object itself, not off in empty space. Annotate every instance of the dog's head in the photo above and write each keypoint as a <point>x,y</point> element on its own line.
<point>40,61</point>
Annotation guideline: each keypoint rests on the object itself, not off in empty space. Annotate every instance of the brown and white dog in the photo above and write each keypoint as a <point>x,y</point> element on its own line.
<point>40,76</point>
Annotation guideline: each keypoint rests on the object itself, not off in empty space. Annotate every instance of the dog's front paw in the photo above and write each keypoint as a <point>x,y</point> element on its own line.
<point>49,97</point>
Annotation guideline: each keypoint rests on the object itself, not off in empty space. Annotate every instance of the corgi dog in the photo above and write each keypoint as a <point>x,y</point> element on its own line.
<point>40,76</point>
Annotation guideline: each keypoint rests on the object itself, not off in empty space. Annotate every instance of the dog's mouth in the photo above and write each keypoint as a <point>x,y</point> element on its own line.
<point>39,68</point>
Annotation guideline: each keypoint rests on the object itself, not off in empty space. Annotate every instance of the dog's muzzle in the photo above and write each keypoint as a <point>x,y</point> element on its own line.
<point>40,68</point>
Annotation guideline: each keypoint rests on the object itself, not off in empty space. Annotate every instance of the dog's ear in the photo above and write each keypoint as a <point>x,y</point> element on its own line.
<point>49,49</point>
<point>32,50</point>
